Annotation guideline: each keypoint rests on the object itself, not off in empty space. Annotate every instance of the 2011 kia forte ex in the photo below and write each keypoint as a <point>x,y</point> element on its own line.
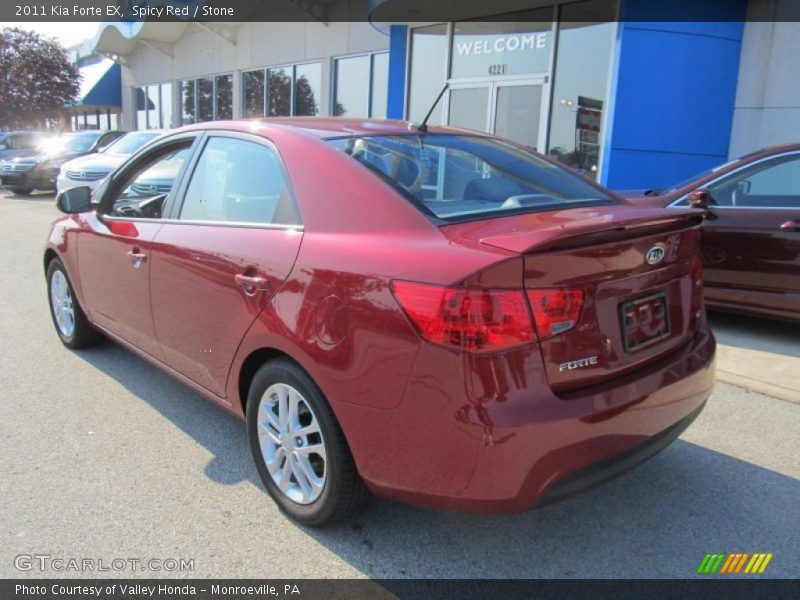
<point>433,315</point>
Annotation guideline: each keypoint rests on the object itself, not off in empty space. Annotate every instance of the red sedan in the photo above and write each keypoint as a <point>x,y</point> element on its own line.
<point>439,316</point>
<point>751,236</point>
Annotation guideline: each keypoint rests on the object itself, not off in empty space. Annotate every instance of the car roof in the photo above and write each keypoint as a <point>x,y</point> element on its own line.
<point>325,127</point>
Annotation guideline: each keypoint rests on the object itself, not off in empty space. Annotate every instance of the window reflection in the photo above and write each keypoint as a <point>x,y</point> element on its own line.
<point>253,84</point>
<point>352,87</point>
<point>428,72</point>
<point>187,102</point>
<point>279,92</point>
<point>581,80</point>
<point>308,84</point>
<point>224,97</point>
<point>205,99</point>
<point>380,85</point>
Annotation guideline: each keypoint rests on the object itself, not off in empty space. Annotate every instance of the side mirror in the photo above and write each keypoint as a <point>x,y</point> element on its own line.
<point>74,200</point>
<point>700,199</point>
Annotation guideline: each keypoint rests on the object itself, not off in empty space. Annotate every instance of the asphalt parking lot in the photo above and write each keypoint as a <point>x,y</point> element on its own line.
<point>103,456</point>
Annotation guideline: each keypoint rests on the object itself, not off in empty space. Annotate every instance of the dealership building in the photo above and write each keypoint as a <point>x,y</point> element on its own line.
<point>629,99</point>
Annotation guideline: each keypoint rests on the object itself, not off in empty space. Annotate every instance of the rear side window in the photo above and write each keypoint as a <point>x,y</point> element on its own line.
<point>461,177</point>
<point>238,181</point>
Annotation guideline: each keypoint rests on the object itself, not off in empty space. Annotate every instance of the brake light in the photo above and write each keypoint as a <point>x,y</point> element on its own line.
<point>555,311</point>
<point>473,319</point>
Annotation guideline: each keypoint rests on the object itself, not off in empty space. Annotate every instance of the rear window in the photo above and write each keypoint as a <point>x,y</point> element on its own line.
<point>461,177</point>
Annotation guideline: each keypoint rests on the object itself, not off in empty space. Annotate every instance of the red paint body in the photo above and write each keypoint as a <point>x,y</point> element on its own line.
<point>425,423</point>
<point>751,256</point>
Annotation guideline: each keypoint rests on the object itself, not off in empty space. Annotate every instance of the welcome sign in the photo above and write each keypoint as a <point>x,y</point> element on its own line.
<point>481,53</point>
<point>500,44</point>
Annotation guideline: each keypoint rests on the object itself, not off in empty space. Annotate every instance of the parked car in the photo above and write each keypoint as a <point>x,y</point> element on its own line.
<point>90,169</point>
<point>39,171</point>
<point>19,143</point>
<point>751,235</point>
<point>438,316</point>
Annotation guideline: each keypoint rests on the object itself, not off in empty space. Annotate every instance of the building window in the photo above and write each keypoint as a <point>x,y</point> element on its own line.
<point>580,83</point>
<point>153,106</point>
<point>254,92</point>
<point>360,86</point>
<point>428,72</point>
<point>207,99</point>
<point>282,91</point>
<point>539,77</point>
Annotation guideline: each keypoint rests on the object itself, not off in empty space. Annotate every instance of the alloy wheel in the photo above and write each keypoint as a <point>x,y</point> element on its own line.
<point>61,300</point>
<point>291,443</point>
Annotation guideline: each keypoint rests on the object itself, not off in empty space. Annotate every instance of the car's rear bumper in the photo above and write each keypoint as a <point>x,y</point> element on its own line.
<point>507,442</point>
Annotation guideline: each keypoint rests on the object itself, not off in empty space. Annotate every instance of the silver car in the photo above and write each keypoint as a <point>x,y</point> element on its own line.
<point>90,170</point>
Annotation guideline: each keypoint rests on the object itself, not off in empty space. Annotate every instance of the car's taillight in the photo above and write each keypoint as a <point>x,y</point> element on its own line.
<point>555,311</point>
<point>472,319</point>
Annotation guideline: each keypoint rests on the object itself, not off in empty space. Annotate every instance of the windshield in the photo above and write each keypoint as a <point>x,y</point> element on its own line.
<point>130,143</point>
<point>702,175</point>
<point>462,177</point>
<point>72,142</point>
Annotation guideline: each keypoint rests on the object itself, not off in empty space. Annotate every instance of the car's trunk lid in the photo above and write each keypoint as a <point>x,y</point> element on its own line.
<point>633,311</point>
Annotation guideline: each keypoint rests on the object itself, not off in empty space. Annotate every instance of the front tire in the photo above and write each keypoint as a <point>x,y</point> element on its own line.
<point>298,447</point>
<point>72,326</point>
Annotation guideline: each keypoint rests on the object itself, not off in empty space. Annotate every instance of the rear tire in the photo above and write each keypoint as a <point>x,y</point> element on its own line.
<point>17,191</point>
<point>72,326</point>
<point>301,454</point>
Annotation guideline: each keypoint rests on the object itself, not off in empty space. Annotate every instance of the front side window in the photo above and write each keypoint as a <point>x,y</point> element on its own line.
<point>141,192</point>
<point>770,184</point>
<point>456,178</point>
<point>238,181</point>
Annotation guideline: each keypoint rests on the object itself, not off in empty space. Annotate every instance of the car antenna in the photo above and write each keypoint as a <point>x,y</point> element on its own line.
<point>423,127</point>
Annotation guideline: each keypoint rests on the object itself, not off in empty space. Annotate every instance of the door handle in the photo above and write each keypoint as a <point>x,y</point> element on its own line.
<point>791,226</point>
<point>251,284</point>
<point>137,257</point>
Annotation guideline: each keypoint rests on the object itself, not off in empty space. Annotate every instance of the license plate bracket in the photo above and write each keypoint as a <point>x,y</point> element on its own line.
<point>645,321</point>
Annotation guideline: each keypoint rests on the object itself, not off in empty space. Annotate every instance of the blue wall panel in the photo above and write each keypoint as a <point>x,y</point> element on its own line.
<point>674,96</point>
<point>398,44</point>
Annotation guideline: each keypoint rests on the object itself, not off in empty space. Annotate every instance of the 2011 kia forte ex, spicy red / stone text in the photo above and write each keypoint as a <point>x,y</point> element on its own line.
<point>437,316</point>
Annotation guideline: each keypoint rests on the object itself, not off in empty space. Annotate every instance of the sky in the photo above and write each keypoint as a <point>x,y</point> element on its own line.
<point>68,34</point>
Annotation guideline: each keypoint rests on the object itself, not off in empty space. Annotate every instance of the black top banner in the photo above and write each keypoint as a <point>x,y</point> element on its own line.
<point>390,11</point>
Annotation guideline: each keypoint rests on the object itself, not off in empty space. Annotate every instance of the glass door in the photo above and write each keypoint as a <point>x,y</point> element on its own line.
<point>511,108</point>
<point>518,112</point>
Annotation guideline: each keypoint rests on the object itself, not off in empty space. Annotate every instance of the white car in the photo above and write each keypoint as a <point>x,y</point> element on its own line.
<point>91,169</point>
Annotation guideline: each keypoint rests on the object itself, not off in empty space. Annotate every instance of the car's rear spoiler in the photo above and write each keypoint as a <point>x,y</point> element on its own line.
<point>587,227</point>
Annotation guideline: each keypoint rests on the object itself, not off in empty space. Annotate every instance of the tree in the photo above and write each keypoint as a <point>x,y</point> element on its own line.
<point>36,79</point>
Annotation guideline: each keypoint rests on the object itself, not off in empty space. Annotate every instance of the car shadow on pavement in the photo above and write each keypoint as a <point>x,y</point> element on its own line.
<point>219,432</point>
<point>658,520</point>
<point>754,333</point>
<point>6,194</point>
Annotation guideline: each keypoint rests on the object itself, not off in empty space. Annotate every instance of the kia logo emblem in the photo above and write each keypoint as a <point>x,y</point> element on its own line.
<point>656,254</point>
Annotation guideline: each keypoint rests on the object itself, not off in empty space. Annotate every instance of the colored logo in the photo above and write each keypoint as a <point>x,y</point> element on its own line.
<point>733,563</point>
